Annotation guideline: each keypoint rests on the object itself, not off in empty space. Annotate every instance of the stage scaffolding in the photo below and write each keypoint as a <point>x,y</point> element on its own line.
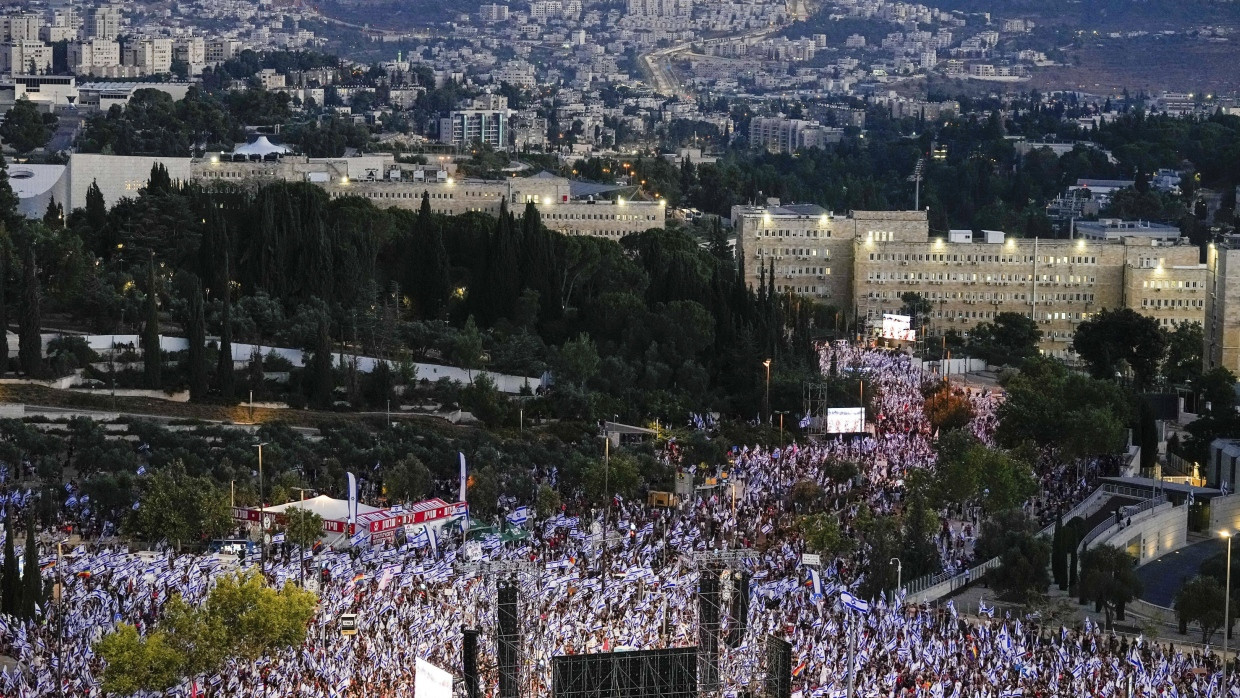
<point>817,401</point>
<point>666,673</point>
<point>722,575</point>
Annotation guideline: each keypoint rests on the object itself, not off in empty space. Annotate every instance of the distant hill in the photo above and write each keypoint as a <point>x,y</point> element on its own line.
<point>397,14</point>
<point>1112,15</point>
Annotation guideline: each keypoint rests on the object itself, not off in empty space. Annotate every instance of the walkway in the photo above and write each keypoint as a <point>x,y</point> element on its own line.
<point>1162,578</point>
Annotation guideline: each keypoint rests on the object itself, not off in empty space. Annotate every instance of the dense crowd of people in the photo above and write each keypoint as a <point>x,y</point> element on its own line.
<point>627,578</point>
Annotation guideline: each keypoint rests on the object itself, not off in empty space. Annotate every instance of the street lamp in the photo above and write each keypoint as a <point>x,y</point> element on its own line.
<point>302,551</point>
<point>1226,606</point>
<point>899,572</point>
<point>767,363</point>
<point>262,512</point>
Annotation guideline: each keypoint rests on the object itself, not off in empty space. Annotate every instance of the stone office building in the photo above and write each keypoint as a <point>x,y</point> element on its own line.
<point>864,261</point>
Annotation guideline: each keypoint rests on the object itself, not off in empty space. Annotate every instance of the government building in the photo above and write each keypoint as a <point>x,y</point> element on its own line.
<point>864,261</point>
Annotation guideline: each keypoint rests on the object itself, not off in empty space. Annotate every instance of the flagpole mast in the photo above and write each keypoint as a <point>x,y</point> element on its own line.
<point>852,662</point>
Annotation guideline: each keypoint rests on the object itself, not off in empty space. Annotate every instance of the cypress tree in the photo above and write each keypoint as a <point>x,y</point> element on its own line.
<point>10,582</point>
<point>32,582</point>
<point>321,383</point>
<point>224,376</point>
<point>4,308</point>
<point>30,341</point>
<point>97,222</point>
<point>54,216</point>
<point>196,329</point>
<point>1059,558</point>
<point>8,200</point>
<point>435,279</point>
<point>152,358</point>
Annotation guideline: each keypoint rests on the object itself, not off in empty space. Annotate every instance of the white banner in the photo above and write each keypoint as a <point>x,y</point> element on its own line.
<point>430,681</point>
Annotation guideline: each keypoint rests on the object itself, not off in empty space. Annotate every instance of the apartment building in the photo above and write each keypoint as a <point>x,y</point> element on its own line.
<point>25,57</point>
<point>23,26</point>
<point>1222,321</point>
<point>790,135</point>
<point>93,56</point>
<point>465,127</point>
<point>150,56</point>
<point>192,50</point>
<point>102,23</point>
<point>866,260</point>
<point>220,50</point>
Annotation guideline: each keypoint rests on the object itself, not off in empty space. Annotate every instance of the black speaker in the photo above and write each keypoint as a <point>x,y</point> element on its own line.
<point>508,642</point>
<point>740,610</point>
<point>708,630</point>
<point>469,660</point>
<point>778,668</point>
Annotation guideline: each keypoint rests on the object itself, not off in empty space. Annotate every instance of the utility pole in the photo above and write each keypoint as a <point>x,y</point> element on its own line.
<point>301,564</point>
<point>262,513</point>
<point>918,170</point>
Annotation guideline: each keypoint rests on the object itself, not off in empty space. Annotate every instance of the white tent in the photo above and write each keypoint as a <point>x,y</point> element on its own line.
<point>261,147</point>
<point>328,508</point>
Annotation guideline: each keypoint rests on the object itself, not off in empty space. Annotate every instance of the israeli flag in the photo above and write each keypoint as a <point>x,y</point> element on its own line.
<point>352,499</point>
<point>464,476</point>
<point>519,516</point>
<point>816,577</point>
<point>420,539</point>
<point>805,421</point>
<point>434,542</point>
<point>142,470</point>
<point>277,538</point>
<point>1135,660</point>
<point>359,537</point>
<point>1189,501</point>
<point>135,506</point>
<point>984,610</point>
<point>854,603</point>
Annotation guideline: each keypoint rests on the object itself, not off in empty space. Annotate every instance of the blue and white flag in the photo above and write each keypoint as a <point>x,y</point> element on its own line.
<point>519,516</point>
<point>464,476</point>
<point>816,577</point>
<point>352,499</point>
<point>359,537</point>
<point>142,470</point>
<point>1189,500</point>
<point>854,603</point>
<point>805,421</point>
<point>277,538</point>
<point>135,506</point>
<point>984,610</point>
<point>434,542</point>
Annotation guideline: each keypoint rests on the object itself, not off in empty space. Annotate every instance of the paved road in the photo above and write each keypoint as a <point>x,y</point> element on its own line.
<point>1162,578</point>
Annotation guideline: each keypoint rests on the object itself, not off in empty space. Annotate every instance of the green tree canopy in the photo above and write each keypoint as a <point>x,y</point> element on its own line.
<point>1200,601</point>
<point>1113,339</point>
<point>1008,340</point>
<point>24,128</point>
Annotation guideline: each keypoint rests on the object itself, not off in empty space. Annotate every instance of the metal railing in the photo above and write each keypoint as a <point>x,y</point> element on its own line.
<point>1124,512</point>
<point>959,579</point>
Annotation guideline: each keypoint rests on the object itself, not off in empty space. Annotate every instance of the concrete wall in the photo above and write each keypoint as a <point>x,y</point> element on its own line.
<point>1225,513</point>
<point>118,177</point>
<point>505,383</point>
<point>1152,534</point>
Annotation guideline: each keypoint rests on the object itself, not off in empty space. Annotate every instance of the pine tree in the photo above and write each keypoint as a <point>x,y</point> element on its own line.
<point>32,582</point>
<point>30,341</point>
<point>152,356</point>
<point>10,581</point>
<point>196,329</point>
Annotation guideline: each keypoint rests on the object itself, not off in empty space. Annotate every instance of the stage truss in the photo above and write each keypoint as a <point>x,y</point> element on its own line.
<point>817,400</point>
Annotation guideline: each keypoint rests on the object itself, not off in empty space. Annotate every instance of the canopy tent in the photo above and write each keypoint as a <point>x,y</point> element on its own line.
<point>327,507</point>
<point>261,147</point>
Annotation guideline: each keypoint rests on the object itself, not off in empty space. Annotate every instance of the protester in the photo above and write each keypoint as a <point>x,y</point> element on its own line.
<point>625,578</point>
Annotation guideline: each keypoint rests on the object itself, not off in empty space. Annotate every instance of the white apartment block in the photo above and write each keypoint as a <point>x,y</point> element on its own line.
<point>192,50</point>
<point>150,56</point>
<point>93,56</point>
<point>26,57</point>
<point>21,27</point>
<point>493,13</point>
<point>102,23</point>
<point>220,50</point>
